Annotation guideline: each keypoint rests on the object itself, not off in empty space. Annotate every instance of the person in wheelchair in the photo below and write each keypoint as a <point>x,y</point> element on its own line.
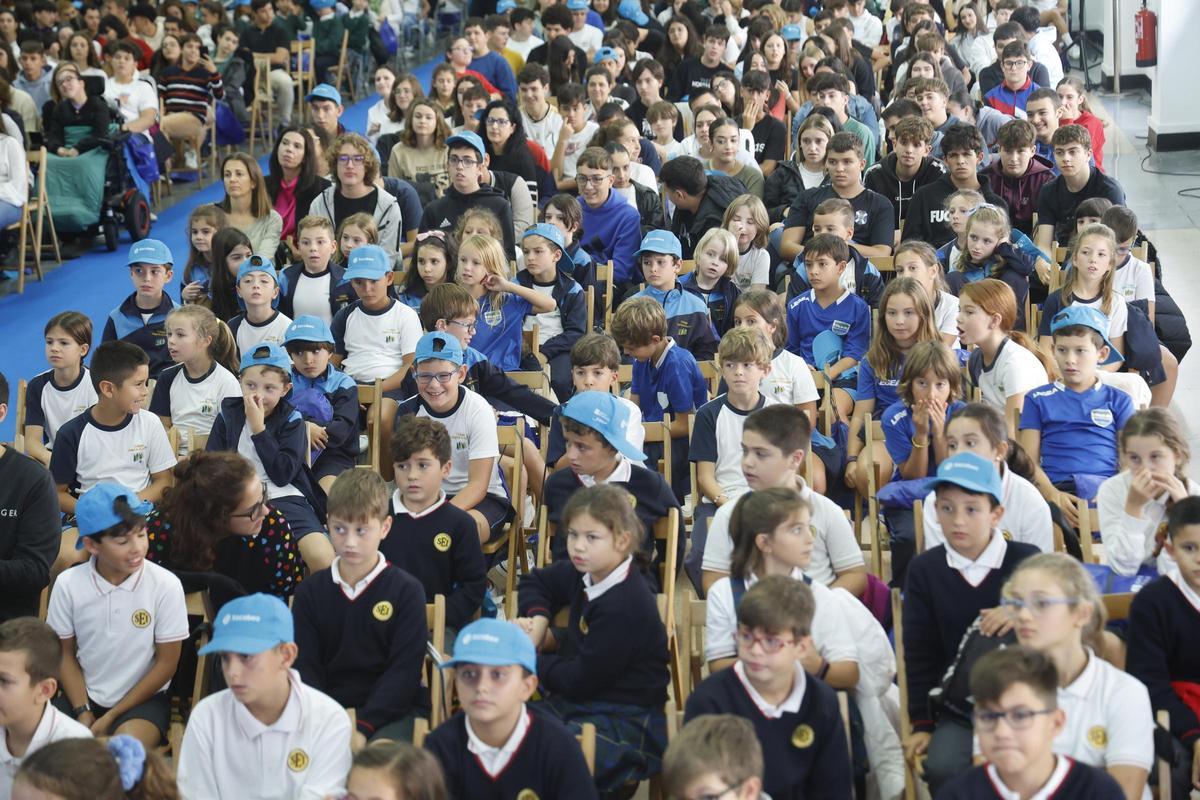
<point>74,122</point>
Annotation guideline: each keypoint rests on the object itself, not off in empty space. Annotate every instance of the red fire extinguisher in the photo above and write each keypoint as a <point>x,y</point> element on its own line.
<point>1145,31</point>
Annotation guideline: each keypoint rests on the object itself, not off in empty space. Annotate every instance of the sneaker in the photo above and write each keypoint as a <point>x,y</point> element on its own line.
<point>498,575</point>
<point>190,160</point>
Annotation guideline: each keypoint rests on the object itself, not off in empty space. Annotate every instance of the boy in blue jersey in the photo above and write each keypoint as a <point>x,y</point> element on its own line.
<point>828,307</point>
<point>688,323</point>
<point>666,379</point>
<point>141,318</point>
<point>835,216</point>
<point>325,396</point>
<point>1070,427</point>
<point>544,248</point>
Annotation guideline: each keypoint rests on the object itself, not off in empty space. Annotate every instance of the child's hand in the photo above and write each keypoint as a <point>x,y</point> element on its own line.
<point>1142,488</point>
<point>100,727</point>
<point>920,418</point>
<point>995,621</point>
<point>850,472</point>
<point>255,417</point>
<point>193,291</point>
<point>915,745</point>
<point>1067,502</point>
<point>937,417</point>
<point>317,436</point>
<point>1170,484</point>
<point>495,283</point>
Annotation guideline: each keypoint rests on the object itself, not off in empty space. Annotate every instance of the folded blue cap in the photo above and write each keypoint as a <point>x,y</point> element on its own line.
<point>149,251</point>
<point>632,11</point>
<point>323,91</point>
<point>94,511</point>
<point>470,139</point>
<point>608,416</point>
<point>505,6</point>
<point>1088,317</point>
<point>663,242</point>
<point>493,643</point>
<point>266,355</point>
<point>439,345</point>
<point>971,472</point>
<point>251,624</point>
<point>308,328</point>
<point>318,5</point>
<point>368,261</point>
<point>791,33</point>
<point>605,54</point>
<point>577,5</point>
<point>256,264</point>
<point>546,231</point>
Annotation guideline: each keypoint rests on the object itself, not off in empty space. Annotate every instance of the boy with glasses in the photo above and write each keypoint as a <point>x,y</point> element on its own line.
<point>1013,92</point>
<point>467,161</point>
<point>612,227</point>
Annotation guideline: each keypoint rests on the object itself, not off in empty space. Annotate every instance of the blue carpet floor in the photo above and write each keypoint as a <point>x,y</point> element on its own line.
<point>97,282</point>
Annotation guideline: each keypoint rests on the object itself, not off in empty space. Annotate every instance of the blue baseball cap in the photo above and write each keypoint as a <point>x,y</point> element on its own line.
<point>94,512</point>
<point>504,6</point>
<point>605,54</point>
<point>318,5</point>
<point>438,344</point>
<point>470,139</point>
<point>323,91</point>
<point>266,355</point>
<point>493,643</point>
<point>546,231</point>
<point>369,261</point>
<point>663,242</point>
<point>149,251</point>
<point>632,11</point>
<point>250,625</point>
<point>1088,317</point>
<point>971,472</point>
<point>256,264</point>
<point>577,5</point>
<point>608,416</point>
<point>791,33</point>
<point>308,328</point>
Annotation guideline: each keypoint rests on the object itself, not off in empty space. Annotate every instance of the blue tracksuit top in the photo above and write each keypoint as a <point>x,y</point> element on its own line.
<point>687,320</point>
<point>572,310</point>
<point>125,323</point>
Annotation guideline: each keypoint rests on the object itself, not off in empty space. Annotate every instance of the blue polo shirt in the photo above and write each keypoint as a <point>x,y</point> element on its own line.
<point>498,331</point>
<point>849,317</point>
<point>1079,429</point>
<point>898,433</point>
<point>673,385</point>
<point>884,391</point>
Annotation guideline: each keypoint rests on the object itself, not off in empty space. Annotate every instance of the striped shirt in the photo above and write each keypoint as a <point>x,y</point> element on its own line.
<point>189,91</point>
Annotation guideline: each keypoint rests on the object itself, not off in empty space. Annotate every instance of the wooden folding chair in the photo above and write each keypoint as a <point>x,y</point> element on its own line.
<point>302,68</point>
<point>587,743</point>
<point>1117,606</point>
<point>340,74</point>
<point>874,431</point>
<point>1162,765</point>
<point>824,420</point>
<point>435,619</point>
<point>513,437</point>
<point>262,107</point>
<point>919,527</point>
<point>420,731</point>
<point>911,778</point>
<point>370,397</point>
<point>604,273</point>
<point>36,214</point>
<point>531,345</point>
<point>19,421</point>
<point>660,433</point>
<point>1089,524</point>
<point>198,604</point>
<point>590,295</point>
<point>691,630</point>
<point>711,373</point>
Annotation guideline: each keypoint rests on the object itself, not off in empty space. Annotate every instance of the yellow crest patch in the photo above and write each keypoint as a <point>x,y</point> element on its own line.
<point>583,626</point>
<point>140,618</point>
<point>442,542</point>
<point>297,760</point>
<point>802,737</point>
<point>382,611</point>
<point>527,794</point>
<point>1097,736</point>
<point>1007,535</point>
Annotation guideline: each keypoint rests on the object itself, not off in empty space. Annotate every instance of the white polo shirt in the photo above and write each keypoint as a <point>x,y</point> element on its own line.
<point>116,628</point>
<point>834,546</point>
<point>51,406</point>
<point>227,754</point>
<point>789,381</point>
<point>87,452</point>
<point>374,343</point>
<point>54,726</point>
<point>1015,371</point>
<point>1026,515</point>
<point>194,404</point>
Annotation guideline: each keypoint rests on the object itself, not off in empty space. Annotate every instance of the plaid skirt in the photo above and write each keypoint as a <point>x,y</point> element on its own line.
<point>630,740</point>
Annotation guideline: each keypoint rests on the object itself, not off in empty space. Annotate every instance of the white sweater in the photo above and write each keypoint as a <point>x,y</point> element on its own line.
<point>14,172</point>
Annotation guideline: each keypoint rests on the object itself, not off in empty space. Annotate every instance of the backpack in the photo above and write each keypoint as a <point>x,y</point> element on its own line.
<point>952,697</point>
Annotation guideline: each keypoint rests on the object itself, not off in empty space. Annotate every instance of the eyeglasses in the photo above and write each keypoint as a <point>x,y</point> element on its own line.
<point>718,796</point>
<point>426,378</point>
<point>498,122</point>
<point>355,160</point>
<point>1037,605</point>
<point>459,161</point>
<point>466,326</point>
<point>259,509</point>
<point>1013,63</point>
<point>1017,718</point>
<point>770,644</point>
<point>590,180</point>
<point>69,77</point>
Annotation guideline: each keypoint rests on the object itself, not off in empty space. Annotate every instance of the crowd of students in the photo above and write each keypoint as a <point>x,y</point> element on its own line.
<point>832,257</point>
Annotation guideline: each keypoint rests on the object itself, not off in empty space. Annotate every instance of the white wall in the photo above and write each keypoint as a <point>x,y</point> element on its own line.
<point>1175,96</point>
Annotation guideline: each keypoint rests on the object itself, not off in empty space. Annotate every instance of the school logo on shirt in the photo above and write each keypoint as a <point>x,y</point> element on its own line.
<point>527,794</point>
<point>207,406</point>
<point>583,626</point>
<point>382,611</point>
<point>840,327</point>
<point>297,760</point>
<point>137,453</point>
<point>493,318</point>
<point>391,336</point>
<point>140,618</point>
<point>1097,736</point>
<point>860,218</point>
<point>1102,417</point>
<point>1007,535</point>
<point>460,441</point>
<point>442,542</point>
<point>682,328</point>
<point>803,737</point>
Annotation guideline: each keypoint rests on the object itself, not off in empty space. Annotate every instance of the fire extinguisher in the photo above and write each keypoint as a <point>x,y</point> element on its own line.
<point>1145,31</point>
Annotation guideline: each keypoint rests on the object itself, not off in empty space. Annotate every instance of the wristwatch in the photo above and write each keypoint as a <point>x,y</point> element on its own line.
<point>79,711</point>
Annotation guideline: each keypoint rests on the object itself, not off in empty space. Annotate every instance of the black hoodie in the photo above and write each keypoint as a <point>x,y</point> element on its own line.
<point>443,213</point>
<point>927,218</point>
<point>882,178</point>
<point>690,227</point>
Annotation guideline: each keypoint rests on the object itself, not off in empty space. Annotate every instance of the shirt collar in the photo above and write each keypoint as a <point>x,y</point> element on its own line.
<point>1188,592</point>
<point>595,591</point>
<point>812,294</point>
<point>790,704</point>
<point>399,508</point>
<point>620,474</point>
<point>991,558</point>
<point>1081,687</point>
<point>352,592</point>
<point>289,721</point>
<point>103,587</point>
<point>1061,769</point>
<point>42,735</point>
<point>670,343</point>
<point>495,759</point>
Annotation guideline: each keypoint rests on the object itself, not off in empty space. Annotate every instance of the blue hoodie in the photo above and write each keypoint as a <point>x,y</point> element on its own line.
<point>612,232</point>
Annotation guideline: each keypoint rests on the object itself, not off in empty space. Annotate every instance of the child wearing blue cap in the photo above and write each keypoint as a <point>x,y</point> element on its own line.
<point>688,323</point>
<point>1070,427</point>
<point>265,428</point>
<point>318,387</point>
<point>260,322</point>
<point>268,734</point>
<point>499,745</point>
<point>558,330</point>
<point>121,619</point>
<point>947,588</point>
<point>141,317</point>
<point>327,38</point>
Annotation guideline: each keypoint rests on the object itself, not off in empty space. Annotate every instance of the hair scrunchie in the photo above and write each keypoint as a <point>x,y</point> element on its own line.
<point>130,756</point>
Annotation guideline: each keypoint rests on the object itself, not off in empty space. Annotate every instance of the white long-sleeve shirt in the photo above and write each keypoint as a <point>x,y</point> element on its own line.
<point>14,172</point>
<point>1129,541</point>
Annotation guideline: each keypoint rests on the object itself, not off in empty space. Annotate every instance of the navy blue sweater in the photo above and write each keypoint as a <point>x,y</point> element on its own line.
<point>1163,630</point>
<point>719,300</point>
<point>804,754</point>
<point>366,653</point>
<point>453,568</point>
<point>939,606</point>
<point>125,323</point>
<point>614,649</point>
<point>548,763</point>
<point>1082,782</point>
<point>572,308</point>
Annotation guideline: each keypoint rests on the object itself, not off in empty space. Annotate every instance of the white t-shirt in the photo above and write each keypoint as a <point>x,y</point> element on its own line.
<point>1015,371</point>
<point>523,49</point>
<point>576,144</point>
<point>868,28</point>
<point>1129,542</point>
<point>790,380</point>
<point>53,727</point>
<point>195,404</point>
<point>754,266</point>
<point>945,313</point>
<point>1026,515</point>
<point>87,453</point>
<point>246,449</point>
<point>131,98</point>
<point>717,437</point>
<point>472,428</point>
<point>250,335</point>
<point>810,178</point>
<point>374,343</point>
<point>834,546</point>
<point>312,296</point>
<point>1118,320</point>
<point>544,131</point>
<point>1134,280</point>
<point>550,323</point>
<point>228,754</point>
<point>589,38</point>
<point>116,628</point>
<point>51,407</point>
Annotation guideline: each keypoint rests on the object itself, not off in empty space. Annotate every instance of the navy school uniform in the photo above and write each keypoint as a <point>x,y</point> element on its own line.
<point>804,752</point>
<point>1164,625</point>
<point>125,323</point>
<point>282,451</point>
<point>868,282</point>
<point>849,317</point>
<point>687,320</point>
<point>571,312</point>
<point>440,548</point>
<point>1078,429</point>
<point>490,382</point>
<point>367,652</point>
<point>719,300</point>
<point>673,385</point>
<point>498,330</point>
<point>340,292</point>
<point>342,448</point>
<point>1070,780</point>
<point>547,763</point>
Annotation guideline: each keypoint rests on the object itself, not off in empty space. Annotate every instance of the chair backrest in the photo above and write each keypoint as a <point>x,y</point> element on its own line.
<point>590,294</point>
<point>420,731</point>
<point>19,421</point>
<point>511,438</point>
<point>530,343</point>
<point>1089,524</point>
<point>370,396</point>
<point>435,620</point>
<point>910,777</point>
<point>36,159</point>
<point>262,79</point>
<point>604,274</point>
<point>884,264</point>
<point>660,433</point>
<point>687,265</point>
<point>691,627</point>
<point>712,376</point>
<point>1117,605</point>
